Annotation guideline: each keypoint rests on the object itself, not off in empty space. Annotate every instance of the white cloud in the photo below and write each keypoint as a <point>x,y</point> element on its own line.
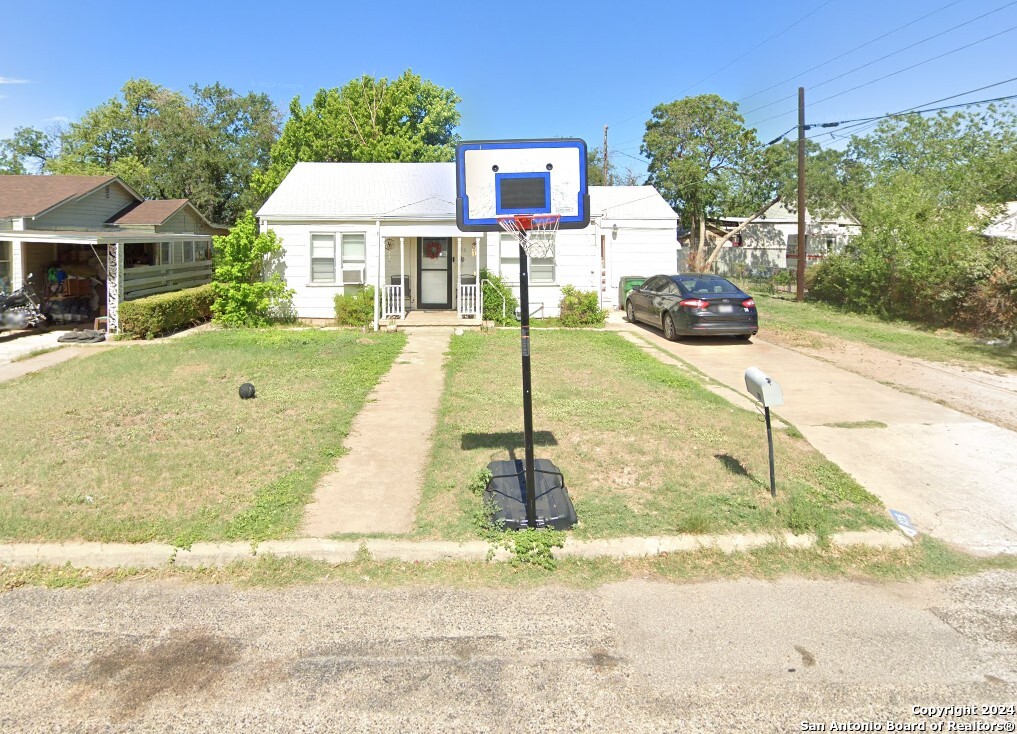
<point>10,80</point>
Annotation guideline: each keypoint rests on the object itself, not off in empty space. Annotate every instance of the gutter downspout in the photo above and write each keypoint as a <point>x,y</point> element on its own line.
<point>377,278</point>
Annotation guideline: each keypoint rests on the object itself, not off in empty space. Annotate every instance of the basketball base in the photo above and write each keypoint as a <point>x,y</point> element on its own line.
<point>506,493</point>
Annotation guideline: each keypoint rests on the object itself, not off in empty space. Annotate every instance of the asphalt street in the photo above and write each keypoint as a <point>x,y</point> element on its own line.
<point>638,656</point>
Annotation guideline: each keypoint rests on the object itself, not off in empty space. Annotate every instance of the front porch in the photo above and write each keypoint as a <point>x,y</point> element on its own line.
<point>435,281</point>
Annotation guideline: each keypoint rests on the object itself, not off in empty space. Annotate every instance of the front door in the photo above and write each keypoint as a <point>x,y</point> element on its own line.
<point>434,272</point>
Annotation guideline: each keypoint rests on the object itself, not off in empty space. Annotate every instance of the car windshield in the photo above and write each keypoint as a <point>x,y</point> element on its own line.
<point>702,286</point>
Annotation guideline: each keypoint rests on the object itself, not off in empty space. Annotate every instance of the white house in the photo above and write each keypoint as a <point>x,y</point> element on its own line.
<point>771,241</point>
<point>346,225</point>
<point>1004,225</point>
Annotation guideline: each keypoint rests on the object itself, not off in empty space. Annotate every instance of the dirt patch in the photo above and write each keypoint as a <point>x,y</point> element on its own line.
<point>132,674</point>
<point>988,396</point>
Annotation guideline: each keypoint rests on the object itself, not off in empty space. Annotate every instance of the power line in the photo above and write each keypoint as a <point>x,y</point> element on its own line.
<point>851,51</point>
<point>710,76</point>
<point>899,71</point>
<point>894,53</point>
<point>866,121</point>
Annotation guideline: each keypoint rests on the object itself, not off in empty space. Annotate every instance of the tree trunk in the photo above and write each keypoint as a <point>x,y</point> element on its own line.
<point>708,265</point>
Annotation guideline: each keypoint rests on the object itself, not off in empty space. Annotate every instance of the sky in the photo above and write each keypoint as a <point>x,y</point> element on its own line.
<point>526,68</point>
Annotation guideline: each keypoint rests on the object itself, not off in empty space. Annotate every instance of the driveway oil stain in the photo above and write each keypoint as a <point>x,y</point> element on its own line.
<point>808,659</point>
<point>133,674</point>
<point>603,661</point>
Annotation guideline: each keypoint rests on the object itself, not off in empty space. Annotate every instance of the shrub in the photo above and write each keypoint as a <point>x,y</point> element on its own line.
<point>355,309</point>
<point>148,317</point>
<point>493,292</point>
<point>244,294</point>
<point>580,308</point>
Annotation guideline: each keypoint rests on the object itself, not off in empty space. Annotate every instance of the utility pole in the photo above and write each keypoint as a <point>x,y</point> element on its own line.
<point>802,250</point>
<point>606,181</point>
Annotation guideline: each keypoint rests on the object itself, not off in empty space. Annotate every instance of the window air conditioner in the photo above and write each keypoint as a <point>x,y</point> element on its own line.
<point>353,276</point>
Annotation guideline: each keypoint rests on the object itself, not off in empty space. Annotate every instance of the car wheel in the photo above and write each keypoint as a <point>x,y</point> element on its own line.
<point>670,333</point>
<point>630,312</point>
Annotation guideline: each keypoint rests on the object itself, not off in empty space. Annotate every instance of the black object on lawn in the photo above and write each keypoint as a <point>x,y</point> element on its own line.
<point>246,391</point>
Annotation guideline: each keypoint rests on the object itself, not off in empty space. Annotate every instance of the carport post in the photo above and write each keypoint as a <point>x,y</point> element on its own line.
<point>114,285</point>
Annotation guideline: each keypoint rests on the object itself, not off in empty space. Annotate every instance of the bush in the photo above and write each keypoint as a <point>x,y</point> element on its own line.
<point>355,309</point>
<point>580,308</point>
<point>149,317</point>
<point>493,292</point>
<point>244,295</point>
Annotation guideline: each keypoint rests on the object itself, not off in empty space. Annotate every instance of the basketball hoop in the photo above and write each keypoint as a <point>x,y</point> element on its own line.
<point>536,232</point>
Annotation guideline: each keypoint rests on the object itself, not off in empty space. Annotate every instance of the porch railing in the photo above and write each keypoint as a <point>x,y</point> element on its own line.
<point>147,280</point>
<point>469,301</point>
<point>392,304</point>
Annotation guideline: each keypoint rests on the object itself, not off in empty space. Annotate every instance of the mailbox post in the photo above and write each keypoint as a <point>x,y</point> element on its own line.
<point>767,392</point>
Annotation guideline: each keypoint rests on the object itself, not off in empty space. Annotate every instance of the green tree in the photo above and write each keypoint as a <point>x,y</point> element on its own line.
<point>248,291</point>
<point>368,120</point>
<point>165,144</point>
<point>27,151</point>
<point>701,157</point>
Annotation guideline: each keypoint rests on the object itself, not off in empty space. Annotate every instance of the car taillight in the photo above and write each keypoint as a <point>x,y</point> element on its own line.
<point>749,303</point>
<point>696,303</point>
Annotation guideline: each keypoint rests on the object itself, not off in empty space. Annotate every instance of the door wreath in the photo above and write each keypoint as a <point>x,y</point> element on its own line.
<point>432,250</point>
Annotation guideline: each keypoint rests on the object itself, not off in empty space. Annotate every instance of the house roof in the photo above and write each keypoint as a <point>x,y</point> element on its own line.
<point>30,196</point>
<point>416,191</point>
<point>156,211</point>
<point>780,213</point>
<point>1005,225</point>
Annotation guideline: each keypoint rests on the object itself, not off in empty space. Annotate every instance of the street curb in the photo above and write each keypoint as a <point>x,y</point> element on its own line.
<point>198,555</point>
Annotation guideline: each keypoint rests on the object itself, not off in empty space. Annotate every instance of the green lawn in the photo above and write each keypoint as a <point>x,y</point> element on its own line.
<point>794,321</point>
<point>644,447</point>
<point>151,441</point>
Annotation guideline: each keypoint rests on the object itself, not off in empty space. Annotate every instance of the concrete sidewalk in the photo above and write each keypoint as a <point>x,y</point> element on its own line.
<point>376,486</point>
<point>952,473</point>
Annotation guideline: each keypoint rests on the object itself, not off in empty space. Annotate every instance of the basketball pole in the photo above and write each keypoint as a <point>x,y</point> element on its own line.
<point>524,333</point>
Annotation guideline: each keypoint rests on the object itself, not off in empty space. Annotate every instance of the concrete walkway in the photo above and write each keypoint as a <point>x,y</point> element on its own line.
<point>376,485</point>
<point>952,473</point>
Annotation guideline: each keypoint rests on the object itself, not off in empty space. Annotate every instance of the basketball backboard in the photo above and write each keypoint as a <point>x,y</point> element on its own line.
<point>503,178</point>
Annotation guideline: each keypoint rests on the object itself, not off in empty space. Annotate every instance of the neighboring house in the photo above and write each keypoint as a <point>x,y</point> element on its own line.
<point>1004,226</point>
<point>771,241</point>
<point>346,225</point>
<point>110,243</point>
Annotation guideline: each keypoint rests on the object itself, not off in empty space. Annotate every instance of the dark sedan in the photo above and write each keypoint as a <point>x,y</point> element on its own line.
<point>693,303</point>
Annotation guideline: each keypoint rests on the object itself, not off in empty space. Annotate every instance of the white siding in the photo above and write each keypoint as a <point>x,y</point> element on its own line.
<point>641,248</point>
<point>90,212</point>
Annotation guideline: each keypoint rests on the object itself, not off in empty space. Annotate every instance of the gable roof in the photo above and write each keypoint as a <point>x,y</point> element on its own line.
<point>416,191</point>
<point>155,211</point>
<point>365,191</point>
<point>30,196</point>
<point>629,202</point>
<point>780,213</point>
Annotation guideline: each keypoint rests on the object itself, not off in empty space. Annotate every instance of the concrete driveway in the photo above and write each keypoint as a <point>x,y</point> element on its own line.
<point>952,473</point>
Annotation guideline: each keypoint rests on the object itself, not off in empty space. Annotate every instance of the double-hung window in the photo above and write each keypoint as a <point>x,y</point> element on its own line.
<point>354,256</point>
<point>323,258</point>
<point>541,268</point>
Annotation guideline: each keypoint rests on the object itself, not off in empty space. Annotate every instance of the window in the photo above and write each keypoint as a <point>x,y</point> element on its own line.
<point>354,250</point>
<point>178,252</point>
<point>189,252</point>
<point>5,267</point>
<point>323,258</point>
<point>200,251</point>
<point>542,269</point>
<point>164,253</point>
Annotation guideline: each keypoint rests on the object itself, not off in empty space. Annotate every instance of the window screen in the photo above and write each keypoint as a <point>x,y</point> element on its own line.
<point>322,258</point>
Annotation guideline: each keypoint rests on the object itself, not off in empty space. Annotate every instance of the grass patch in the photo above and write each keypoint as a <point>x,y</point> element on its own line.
<point>153,443</point>
<point>799,323</point>
<point>35,353</point>
<point>645,448</point>
<point>926,559</point>
<point>856,424</point>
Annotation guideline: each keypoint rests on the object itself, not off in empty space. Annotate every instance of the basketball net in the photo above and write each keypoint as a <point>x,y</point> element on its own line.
<point>536,232</point>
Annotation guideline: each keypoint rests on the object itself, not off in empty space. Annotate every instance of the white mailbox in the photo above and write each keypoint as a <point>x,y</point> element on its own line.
<point>763,388</point>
